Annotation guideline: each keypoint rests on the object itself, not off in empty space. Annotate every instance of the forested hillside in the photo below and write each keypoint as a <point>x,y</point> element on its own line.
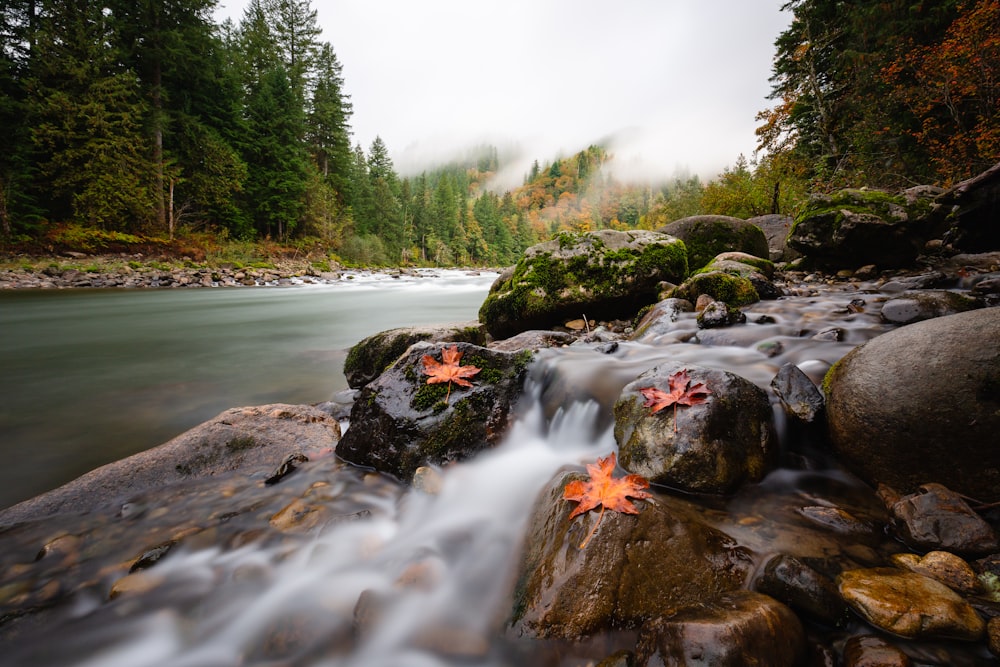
<point>145,118</point>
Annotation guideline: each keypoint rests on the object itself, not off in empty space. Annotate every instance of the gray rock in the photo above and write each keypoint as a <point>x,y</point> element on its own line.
<point>708,235</point>
<point>776,228</point>
<point>936,518</point>
<point>399,422</point>
<point>604,275</point>
<point>661,319</point>
<point>801,399</point>
<point>712,447</point>
<point>719,314</point>
<point>921,404</point>
<point>973,208</point>
<point>533,340</point>
<point>912,307</point>
<point>250,440</point>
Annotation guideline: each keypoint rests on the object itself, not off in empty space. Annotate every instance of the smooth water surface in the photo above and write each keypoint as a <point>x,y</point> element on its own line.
<point>91,376</point>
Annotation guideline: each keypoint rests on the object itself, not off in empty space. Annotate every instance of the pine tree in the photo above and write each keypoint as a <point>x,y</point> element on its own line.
<point>328,123</point>
<point>86,112</point>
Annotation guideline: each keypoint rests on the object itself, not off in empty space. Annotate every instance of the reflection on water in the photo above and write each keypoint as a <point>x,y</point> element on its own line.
<point>91,376</point>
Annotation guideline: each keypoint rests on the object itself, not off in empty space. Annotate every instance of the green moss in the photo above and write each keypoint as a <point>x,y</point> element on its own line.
<point>241,443</point>
<point>734,290</point>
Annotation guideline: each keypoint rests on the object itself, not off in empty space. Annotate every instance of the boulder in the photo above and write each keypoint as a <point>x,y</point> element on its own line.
<point>852,228</point>
<point>374,354</point>
<point>635,567</point>
<point>872,651</point>
<point>662,320</point>
<point>910,307</point>
<point>909,605</point>
<point>920,404</point>
<point>776,228</point>
<point>712,447</point>
<point>732,289</point>
<point>705,236</point>
<point>252,440</point>
<point>973,207</point>
<point>602,275</point>
<point>733,630</point>
<point>400,422</point>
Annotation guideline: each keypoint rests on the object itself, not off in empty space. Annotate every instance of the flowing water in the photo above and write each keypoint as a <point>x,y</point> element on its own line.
<point>393,576</point>
<point>92,376</point>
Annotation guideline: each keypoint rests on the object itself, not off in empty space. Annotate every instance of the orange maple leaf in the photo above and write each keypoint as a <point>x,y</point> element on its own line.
<point>606,491</point>
<point>680,394</point>
<point>448,369</point>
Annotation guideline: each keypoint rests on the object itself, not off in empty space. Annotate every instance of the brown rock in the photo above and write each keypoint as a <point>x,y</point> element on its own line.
<point>871,651</point>
<point>945,567</point>
<point>909,604</point>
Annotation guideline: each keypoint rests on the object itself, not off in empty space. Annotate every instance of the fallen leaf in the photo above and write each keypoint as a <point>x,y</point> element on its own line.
<point>680,394</point>
<point>448,369</point>
<point>604,490</point>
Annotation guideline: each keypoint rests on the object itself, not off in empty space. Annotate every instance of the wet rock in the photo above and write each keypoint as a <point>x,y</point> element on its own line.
<point>374,354</point>
<point>709,235</point>
<point>734,290</point>
<point>801,398</point>
<point>890,422</point>
<point>909,604</point>
<point>661,319</point>
<point>942,566</point>
<point>709,448</point>
<point>912,307</point>
<point>872,651</point>
<point>400,422</point>
<point>533,340</point>
<point>856,227</point>
<point>792,582</point>
<point>635,567</point>
<point>135,584</point>
<point>937,518</point>
<point>605,274</point>
<point>993,635</point>
<point>286,468</point>
<point>250,440</point>
<point>717,314</point>
<point>732,630</point>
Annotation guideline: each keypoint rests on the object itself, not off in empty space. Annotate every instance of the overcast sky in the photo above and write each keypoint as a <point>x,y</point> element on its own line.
<point>676,83</point>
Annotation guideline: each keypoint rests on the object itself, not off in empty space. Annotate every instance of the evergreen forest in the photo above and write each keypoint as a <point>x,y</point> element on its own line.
<point>144,119</point>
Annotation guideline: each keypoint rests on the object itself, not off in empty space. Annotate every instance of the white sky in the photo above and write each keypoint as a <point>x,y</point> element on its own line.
<point>677,82</point>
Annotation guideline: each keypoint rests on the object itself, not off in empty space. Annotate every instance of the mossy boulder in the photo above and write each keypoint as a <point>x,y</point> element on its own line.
<point>399,422</point>
<point>731,288</point>
<point>853,228</point>
<point>705,236</point>
<point>374,354</point>
<point>604,275</point>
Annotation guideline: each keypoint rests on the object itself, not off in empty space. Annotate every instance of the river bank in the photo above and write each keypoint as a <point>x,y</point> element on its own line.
<point>77,270</point>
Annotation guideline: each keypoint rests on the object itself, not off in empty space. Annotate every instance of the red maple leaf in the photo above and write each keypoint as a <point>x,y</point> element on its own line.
<point>680,394</point>
<point>448,369</point>
<point>604,490</point>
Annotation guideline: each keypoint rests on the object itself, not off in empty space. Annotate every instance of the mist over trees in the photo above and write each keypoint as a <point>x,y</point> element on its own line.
<point>146,118</point>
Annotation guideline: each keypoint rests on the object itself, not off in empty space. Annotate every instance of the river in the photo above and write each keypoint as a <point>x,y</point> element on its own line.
<point>91,376</point>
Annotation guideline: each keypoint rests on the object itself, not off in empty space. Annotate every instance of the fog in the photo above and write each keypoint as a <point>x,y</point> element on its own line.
<point>668,86</point>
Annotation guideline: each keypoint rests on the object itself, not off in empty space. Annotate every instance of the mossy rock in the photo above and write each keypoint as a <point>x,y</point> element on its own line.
<point>399,422</point>
<point>603,275</point>
<point>706,236</point>
<point>857,227</point>
<point>374,354</point>
<point>758,271</point>
<point>732,289</point>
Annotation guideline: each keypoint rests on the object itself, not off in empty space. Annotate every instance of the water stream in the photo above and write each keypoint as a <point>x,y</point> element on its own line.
<point>400,577</point>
